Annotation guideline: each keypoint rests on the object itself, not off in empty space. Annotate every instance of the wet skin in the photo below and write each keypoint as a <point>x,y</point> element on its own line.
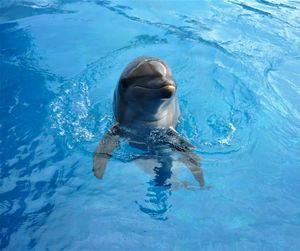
<point>147,112</point>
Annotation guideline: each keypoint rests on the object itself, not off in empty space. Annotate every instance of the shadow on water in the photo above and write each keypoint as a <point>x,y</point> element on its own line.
<point>159,190</point>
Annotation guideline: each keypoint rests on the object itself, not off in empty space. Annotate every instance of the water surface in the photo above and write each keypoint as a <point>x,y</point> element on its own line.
<point>236,64</point>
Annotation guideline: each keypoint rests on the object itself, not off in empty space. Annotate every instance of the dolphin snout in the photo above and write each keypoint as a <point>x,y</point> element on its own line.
<point>168,82</point>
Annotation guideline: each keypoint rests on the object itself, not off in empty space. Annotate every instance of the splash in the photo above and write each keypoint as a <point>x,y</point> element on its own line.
<point>71,114</point>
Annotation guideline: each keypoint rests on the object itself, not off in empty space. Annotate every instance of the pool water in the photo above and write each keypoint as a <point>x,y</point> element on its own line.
<point>236,64</point>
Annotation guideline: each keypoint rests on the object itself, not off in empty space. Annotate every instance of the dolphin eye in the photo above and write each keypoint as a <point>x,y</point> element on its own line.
<point>125,83</point>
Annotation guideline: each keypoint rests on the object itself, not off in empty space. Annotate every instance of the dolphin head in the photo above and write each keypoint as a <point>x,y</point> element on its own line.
<point>149,79</point>
<point>146,87</point>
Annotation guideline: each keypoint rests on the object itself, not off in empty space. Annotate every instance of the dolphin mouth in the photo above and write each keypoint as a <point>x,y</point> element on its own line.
<point>155,88</point>
<point>163,92</point>
<point>166,85</point>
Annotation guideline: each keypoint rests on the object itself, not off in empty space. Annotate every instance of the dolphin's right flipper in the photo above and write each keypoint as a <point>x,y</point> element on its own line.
<point>104,150</point>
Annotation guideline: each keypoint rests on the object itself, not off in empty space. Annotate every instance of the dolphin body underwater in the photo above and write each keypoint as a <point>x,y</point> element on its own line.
<point>146,111</point>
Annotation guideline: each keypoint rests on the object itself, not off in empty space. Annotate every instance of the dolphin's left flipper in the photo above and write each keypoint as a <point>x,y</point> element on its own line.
<point>192,161</point>
<point>187,156</point>
<point>104,150</point>
<point>177,142</point>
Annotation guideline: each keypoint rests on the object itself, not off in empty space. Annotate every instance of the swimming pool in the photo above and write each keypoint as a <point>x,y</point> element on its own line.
<point>236,64</point>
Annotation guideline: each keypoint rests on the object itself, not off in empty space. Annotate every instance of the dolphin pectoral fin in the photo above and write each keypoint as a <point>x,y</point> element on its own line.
<point>104,150</point>
<point>192,161</point>
<point>99,164</point>
<point>177,142</point>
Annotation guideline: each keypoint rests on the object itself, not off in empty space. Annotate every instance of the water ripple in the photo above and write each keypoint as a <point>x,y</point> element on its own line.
<point>236,64</point>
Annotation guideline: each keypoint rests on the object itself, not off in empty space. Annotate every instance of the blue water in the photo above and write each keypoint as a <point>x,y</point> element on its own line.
<point>237,68</point>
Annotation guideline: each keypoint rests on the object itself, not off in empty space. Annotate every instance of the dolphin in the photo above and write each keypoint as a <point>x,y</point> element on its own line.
<point>146,111</point>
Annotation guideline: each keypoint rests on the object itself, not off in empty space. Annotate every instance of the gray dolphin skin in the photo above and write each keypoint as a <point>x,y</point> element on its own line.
<point>146,111</point>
